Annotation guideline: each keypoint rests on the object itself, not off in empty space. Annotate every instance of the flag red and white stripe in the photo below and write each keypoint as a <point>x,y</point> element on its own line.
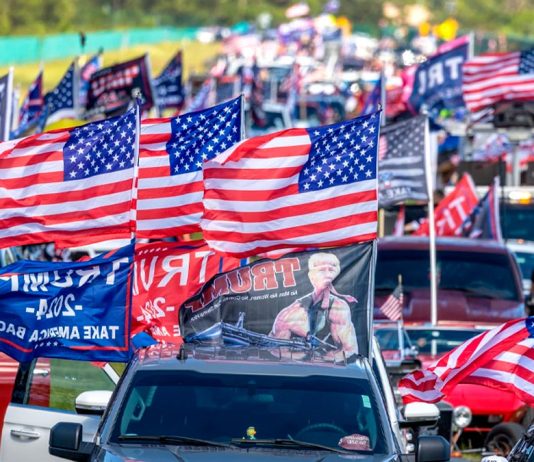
<point>254,200</point>
<point>502,357</point>
<point>171,155</point>
<point>491,78</point>
<point>47,194</point>
<point>167,205</point>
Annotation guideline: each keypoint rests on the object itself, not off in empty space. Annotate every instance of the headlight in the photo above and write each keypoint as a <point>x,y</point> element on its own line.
<point>462,416</point>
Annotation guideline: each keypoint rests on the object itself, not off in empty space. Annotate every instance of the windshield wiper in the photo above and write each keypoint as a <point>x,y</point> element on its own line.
<point>287,442</point>
<point>172,439</point>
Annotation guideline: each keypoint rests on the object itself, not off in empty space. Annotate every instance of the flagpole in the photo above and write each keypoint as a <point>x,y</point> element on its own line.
<point>400,323</point>
<point>9,104</point>
<point>432,229</point>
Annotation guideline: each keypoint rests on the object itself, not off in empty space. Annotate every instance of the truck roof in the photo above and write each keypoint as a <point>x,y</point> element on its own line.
<point>442,243</point>
<point>245,360</point>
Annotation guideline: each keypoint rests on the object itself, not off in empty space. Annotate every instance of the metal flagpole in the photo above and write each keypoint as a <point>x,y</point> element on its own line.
<point>400,322</point>
<point>432,229</point>
<point>9,104</point>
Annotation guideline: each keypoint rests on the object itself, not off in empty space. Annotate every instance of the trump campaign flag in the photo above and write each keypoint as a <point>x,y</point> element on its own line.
<point>294,188</point>
<point>70,186</point>
<point>437,82</point>
<point>166,275</point>
<point>169,88</point>
<point>492,78</point>
<point>453,210</point>
<point>62,102</point>
<point>172,154</point>
<point>401,162</point>
<point>484,221</point>
<point>112,89</point>
<point>502,358</point>
<point>312,303</point>
<point>67,310</point>
<point>31,108</point>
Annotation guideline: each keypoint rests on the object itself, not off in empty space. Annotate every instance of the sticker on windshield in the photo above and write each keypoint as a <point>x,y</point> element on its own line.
<point>355,442</point>
<point>366,401</point>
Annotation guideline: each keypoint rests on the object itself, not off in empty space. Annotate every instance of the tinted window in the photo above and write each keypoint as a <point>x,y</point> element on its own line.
<point>388,339</point>
<point>517,221</point>
<point>221,407</point>
<point>526,263</point>
<point>476,274</point>
<point>444,340</point>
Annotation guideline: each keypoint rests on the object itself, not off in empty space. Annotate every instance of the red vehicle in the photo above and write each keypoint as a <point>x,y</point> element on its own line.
<point>479,284</point>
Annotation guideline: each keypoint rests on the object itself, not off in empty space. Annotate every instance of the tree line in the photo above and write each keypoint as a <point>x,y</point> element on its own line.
<point>36,17</point>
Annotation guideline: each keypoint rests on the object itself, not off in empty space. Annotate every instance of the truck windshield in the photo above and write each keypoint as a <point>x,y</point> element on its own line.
<point>481,274</point>
<point>336,412</point>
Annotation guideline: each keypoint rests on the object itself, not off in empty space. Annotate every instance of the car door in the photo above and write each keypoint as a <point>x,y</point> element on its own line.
<point>43,396</point>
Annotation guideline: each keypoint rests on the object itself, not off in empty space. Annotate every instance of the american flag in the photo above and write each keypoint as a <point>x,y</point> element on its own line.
<point>502,357</point>
<point>294,188</point>
<point>492,78</point>
<point>401,161</point>
<point>172,152</point>
<point>392,307</point>
<point>70,186</point>
<point>62,102</point>
<point>31,107</point>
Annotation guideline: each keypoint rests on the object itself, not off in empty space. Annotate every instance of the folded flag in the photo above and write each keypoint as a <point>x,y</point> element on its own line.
<point>502,358</point>
<point>294,188</point>
<point>71,186</point>
<point>172,152</point>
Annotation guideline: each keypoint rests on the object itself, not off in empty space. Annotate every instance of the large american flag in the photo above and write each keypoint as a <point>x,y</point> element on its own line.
<point>172,152</point>
<point>294,188</point>
<point>70,186</point>
<point>492,78</point>
<point>393,305</point>
<point>502,357</point>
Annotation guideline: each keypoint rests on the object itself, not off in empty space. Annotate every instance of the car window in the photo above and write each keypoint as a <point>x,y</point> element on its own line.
<point>526,263</point>
<point>388,339</point>
<point>517,221</point>
<point>445,339</point>
<point>475,274</point>
<point>58,385</point>
<point>317,409</point>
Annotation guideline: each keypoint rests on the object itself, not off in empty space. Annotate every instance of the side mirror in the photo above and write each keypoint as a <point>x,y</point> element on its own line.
<point>432,449</point>
<point>92,402</point>
<point>66,442</point>
<point>420,415</point>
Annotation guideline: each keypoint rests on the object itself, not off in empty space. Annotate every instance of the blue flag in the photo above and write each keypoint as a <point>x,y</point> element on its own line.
<point>67,310</point>
<point>483,222</point>
<point>62,102</point>
<point>31,108</point>
<point>374,99</point>
<point>169,88</point>
<point>438,82</point>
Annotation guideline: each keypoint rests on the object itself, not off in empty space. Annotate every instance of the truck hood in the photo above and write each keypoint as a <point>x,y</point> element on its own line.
<point>484,400</point>
<point>153,453</point>
<point>456,306</point>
